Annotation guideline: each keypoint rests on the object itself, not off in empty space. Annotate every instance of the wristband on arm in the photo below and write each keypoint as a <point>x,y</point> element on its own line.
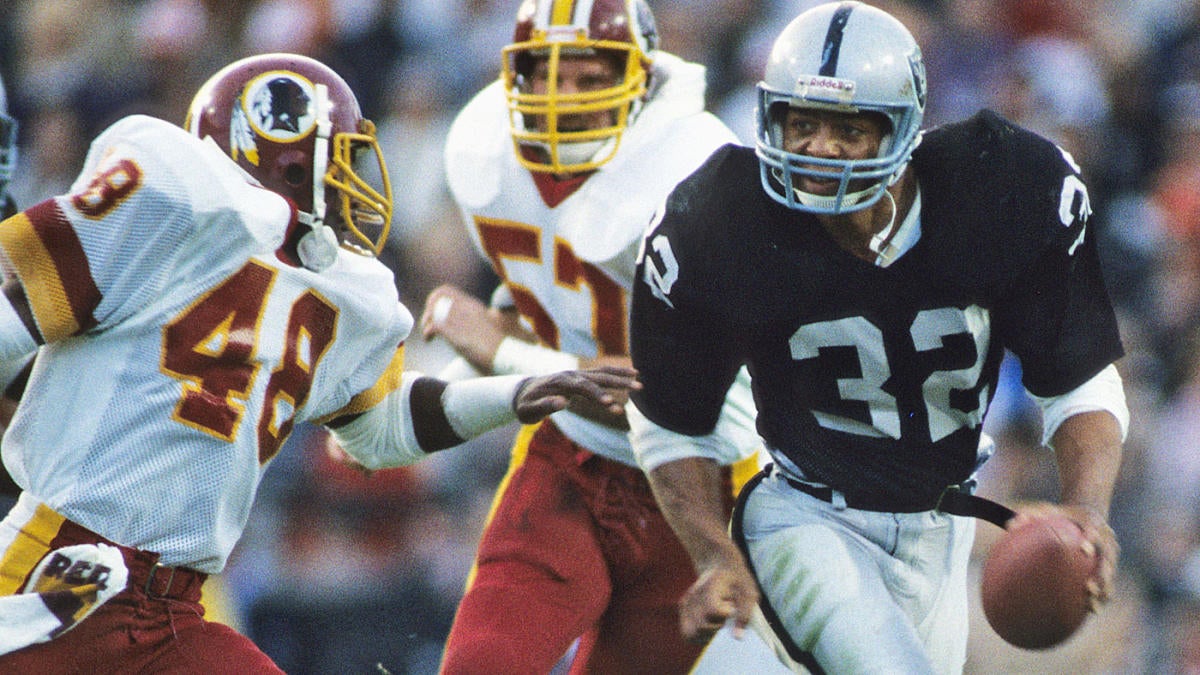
<point>515,356</point>
<point>481,404</point>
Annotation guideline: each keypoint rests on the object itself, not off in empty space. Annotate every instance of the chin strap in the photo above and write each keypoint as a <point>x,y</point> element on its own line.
<point>319,248</point>
<point>881,243</point>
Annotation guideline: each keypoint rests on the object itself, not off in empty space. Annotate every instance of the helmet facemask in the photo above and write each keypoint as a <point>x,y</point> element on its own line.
<point>361,190</point>
<point>547,134</point>
<point>362,212</point>
<point>861,182</point>
<point>548,123</point>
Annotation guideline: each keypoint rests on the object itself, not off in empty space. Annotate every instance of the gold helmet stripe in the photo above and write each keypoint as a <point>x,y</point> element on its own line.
<point>561,12</point>
<point>570,13</point>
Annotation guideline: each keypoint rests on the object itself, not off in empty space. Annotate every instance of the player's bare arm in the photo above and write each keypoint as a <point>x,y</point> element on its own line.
<point>690,493</point>
<point>426,414</point>
<point>1088,450</point>
<point>473,329</point>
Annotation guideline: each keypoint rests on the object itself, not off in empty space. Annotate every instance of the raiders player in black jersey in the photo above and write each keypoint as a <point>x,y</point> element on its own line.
<point>872,287</point>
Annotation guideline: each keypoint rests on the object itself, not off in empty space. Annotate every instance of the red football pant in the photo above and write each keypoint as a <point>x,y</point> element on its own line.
<point>155,625</point>
<point>575,547</point>
<point>132,633</point>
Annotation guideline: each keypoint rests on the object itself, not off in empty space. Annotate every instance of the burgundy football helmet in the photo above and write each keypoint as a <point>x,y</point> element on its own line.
<point>555,29</point>
<point>295,125</point>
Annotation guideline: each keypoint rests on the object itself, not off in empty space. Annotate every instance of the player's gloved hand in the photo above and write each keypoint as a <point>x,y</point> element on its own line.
<point>722,592</point>
<point>1099,535</point>
<point>540,396</point>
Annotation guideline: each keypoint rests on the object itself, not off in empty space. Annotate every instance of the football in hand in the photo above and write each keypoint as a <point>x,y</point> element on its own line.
<point>1034,583</point>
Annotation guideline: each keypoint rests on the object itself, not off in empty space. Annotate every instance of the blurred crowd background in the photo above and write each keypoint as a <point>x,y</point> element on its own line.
<point>339,572</point>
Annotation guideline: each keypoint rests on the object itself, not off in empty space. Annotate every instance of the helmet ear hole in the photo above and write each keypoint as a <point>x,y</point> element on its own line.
<point>295,175</point>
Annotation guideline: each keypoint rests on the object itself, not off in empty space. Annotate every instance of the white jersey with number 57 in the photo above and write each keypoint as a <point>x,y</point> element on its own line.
<point>182,343</point>
<point>569,262</point>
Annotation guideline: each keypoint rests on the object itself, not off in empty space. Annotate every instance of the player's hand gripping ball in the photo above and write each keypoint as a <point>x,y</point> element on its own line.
<point>1034,582</point>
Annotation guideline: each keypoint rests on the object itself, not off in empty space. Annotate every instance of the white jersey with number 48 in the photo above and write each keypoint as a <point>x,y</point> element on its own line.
<point>182,343</point>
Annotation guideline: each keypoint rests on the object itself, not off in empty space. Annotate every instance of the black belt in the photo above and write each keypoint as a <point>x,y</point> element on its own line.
<point>955,500</point>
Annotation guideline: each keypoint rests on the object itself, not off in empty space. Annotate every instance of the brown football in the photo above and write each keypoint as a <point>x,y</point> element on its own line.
<point>1034,583</point>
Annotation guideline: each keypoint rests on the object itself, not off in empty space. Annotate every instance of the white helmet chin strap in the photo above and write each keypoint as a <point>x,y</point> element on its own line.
<point>318,249</point>
<point>582,152</point>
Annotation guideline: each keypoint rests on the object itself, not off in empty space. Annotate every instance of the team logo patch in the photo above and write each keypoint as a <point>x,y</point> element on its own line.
<point>918,72</point>
<point>277,105</point>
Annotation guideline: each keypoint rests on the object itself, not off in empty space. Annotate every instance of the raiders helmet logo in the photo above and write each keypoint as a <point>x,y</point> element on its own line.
<point>918,71</point>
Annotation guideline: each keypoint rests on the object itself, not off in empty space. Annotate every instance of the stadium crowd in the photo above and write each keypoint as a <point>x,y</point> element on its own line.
<point>339,572</point>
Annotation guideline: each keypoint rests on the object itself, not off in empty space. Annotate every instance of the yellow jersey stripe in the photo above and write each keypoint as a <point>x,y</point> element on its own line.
<point>388,382</point>
<point>45,288</point>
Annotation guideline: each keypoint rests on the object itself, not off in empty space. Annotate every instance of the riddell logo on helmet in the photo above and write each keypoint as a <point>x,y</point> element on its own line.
<point>831,83</point>
<point>816,86</point>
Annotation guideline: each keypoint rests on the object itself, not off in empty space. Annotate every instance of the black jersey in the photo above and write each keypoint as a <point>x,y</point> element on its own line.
<point>874,380</point>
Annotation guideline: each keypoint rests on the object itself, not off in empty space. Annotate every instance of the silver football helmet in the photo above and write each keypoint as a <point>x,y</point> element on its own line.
<point>8,147</point>
<point>846,57</point>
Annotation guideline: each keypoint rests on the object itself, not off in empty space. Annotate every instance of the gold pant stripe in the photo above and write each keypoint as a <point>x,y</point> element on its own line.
<point>30,546</point>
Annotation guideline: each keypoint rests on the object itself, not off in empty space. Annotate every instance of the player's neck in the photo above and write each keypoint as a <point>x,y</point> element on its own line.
<point>854,231</point>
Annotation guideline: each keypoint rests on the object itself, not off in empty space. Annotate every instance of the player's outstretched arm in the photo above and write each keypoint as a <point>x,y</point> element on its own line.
<point>427,414</point>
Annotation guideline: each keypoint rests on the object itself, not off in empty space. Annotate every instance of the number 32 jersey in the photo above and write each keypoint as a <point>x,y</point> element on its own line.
<point>182,347</point>
<point>875,380</point>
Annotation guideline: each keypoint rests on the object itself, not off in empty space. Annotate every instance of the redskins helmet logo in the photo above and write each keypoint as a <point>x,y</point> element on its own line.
<point>277,106</point>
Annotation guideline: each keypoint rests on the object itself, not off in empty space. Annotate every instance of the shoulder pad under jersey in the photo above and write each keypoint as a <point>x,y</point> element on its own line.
<point>1001,183</point>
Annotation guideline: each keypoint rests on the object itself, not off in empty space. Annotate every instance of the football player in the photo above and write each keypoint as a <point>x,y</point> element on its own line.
<point>13,371</point>
<point>871,276</point>
<point>558,167</point>
<point>198,292</point>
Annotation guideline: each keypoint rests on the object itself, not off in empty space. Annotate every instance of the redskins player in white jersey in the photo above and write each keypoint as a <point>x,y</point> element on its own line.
<point>558,167</point>
<point>198,292</point>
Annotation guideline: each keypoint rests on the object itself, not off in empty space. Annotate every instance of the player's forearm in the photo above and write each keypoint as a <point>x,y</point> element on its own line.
<point>1088,448</point>
<point>690,493</point>
<point>426,415</point>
